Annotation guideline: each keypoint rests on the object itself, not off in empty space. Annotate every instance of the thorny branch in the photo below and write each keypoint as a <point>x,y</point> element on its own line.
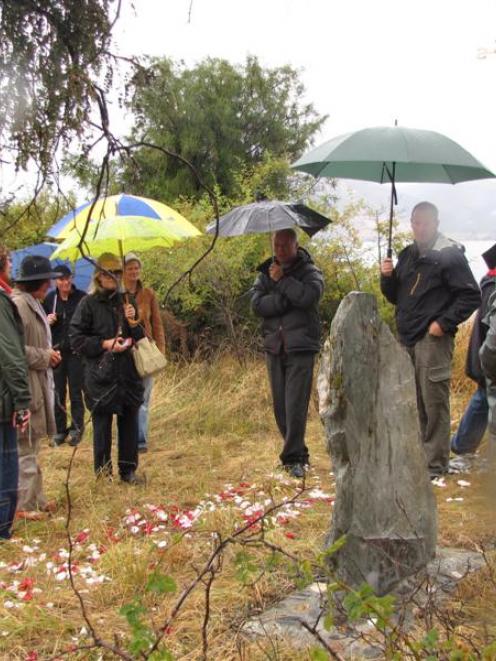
<point>211,562</point>
<point>322,641</point>
<point>206,615</point>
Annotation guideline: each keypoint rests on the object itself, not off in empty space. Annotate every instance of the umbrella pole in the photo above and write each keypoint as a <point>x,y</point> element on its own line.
<point>391,213</point>
<point>121,287</point>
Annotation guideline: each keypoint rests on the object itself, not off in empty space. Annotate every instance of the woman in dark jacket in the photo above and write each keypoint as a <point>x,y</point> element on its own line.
<point>100,331</point>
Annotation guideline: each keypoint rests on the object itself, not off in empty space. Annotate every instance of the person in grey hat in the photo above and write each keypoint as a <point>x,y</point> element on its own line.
<point>487,356</point>
<point>31,286</point>
<point>60,305</point>
<point>473,424</point>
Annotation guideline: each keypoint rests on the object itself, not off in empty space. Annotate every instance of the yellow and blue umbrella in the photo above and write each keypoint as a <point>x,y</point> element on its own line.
<point>115,206</point>
<point>123,234</point>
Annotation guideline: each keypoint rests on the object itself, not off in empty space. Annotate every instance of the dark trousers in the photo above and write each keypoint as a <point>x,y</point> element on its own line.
<point>290,378</point>
<point>9,476</point>
<point>127,435</point>
<point>69,373</point>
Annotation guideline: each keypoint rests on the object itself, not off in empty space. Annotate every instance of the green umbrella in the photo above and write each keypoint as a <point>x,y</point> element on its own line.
<point>390,155</point>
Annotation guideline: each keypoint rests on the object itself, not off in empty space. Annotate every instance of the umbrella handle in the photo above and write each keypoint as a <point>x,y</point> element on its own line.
<point>394,200</point>
<point>132,322</point>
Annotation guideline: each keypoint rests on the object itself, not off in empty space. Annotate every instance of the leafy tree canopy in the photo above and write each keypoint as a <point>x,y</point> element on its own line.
<point>221,117</point>
<point>25,222</point>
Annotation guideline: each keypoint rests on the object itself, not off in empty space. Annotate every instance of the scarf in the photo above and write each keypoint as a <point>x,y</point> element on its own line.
<point>5,286</point>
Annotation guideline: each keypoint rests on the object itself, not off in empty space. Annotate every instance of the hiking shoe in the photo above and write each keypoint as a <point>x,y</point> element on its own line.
<point>30,515</point>
<point>58,439</point>
<point>462,463</point>
<point>74,438</point>
<point>295,470</point>
<point>133,479</point>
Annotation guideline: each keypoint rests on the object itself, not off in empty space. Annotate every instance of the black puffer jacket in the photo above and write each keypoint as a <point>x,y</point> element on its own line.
<point>289,308</point>
<point>438,286</point>
<point>473,367</point>
<point>111,381</point>
<point>64,311</point>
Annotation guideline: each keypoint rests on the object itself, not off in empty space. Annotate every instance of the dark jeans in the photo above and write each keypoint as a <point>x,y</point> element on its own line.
<point>144,412</point>
<point>9,476</point>
<point>291,384</point>
<point>127,434</point>
<point>473,424</point>
<point>69,373</point>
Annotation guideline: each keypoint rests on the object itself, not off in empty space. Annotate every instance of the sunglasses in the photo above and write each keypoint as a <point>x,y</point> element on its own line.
<point>110,272</point>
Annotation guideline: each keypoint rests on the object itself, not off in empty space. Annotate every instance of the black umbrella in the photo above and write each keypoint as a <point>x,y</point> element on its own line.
<point>269,216</point>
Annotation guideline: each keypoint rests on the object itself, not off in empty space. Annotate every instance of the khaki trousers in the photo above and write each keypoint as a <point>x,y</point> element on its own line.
<point>31,496</point>
<point>432,358</point>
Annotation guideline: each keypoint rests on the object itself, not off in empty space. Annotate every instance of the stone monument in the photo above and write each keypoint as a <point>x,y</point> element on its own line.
<point>384,500</point>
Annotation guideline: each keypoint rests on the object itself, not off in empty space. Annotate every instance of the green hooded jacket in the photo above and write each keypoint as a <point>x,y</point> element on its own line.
<point>14,384</point>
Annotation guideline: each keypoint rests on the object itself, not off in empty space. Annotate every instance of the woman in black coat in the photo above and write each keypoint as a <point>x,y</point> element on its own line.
<point>102,331</point>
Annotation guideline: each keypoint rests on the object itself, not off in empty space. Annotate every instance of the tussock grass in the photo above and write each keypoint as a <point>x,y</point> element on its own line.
<point>212,425</point>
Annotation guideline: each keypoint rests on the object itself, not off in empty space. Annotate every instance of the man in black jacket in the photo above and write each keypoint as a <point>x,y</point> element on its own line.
<point>286,295</point>
<point>60,305</point>
<point>473,424</point>
<point>434,290</point>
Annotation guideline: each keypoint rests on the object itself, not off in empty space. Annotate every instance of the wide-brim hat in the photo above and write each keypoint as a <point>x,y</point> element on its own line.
<point>109,262</point>
<point>36,267</point>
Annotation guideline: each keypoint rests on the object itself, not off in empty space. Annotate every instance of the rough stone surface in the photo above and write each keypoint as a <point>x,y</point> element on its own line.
<point>430,588</point>
<point>384,500</point>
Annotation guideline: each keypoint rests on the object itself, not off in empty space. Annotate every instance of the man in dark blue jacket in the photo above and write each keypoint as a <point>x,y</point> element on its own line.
<point>60,305</point>
<point>433,290</point>
<point>286,296</point>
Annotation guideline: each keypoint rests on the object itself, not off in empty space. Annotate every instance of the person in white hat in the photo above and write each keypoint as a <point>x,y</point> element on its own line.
<point>149,316</point>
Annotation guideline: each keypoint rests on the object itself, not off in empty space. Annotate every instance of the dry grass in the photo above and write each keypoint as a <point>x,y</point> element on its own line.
<point>211,425</point>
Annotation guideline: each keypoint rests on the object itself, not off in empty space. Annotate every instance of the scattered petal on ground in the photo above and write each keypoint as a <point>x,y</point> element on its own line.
<point>245,503</point>
<point>463,483</point>
<point>438,482</point>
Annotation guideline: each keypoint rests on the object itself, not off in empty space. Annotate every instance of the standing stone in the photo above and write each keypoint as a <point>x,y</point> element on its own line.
<point>384,500</point>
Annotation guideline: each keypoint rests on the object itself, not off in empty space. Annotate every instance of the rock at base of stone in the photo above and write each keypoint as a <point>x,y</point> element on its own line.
<point>384,501</point>
<point>355,640</point>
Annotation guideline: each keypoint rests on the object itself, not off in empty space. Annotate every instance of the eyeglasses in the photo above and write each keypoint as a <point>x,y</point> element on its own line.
<point>110,272</point>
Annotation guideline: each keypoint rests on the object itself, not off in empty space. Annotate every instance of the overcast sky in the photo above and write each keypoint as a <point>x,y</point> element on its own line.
<point>363,63</point>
